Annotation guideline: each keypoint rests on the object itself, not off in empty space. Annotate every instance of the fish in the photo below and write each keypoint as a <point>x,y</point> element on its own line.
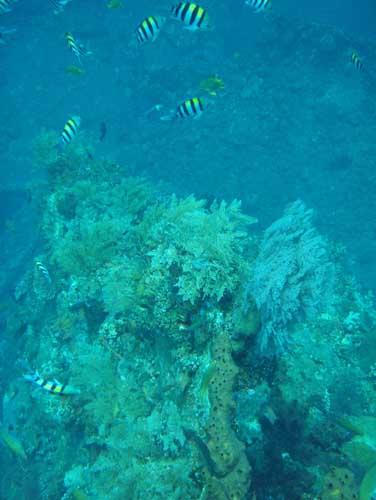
<point>357,62</point>
<point>6,5</point>
<point>43,270</point>
<point>190,108</point>
<point>212,85</point>
<point>207,377</point>
<point>69,131</point>
<point>259,5</point>
<point>74,70</point>
<point>77,48</point>
<point>54,387</point>
<point>102,131</point>
<point>59,5</point>
<point>12,443</point>
<point>149,29</point>
<point>156,108</point>
<point>193,16</point>
<point>115,4</point>
<point>4,33</point>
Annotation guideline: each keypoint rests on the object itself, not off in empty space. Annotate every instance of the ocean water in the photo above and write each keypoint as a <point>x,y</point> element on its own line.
<point>187,303</point>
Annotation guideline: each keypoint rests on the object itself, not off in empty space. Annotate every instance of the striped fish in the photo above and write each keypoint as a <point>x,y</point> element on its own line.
<point>43,270</point>
<point>190,108</point>
<point>70,130</point>
<point>259,5</point>
<point>6,5</point>
<point>357,62</point>
<point>190,14</point>
<point>54,387</point>
<point>59,5</point>
<point>77,48</point>
<point>5,34</point>
<point>149,29</point>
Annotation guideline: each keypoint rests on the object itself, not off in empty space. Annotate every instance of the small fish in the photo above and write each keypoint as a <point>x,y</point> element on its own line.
<point>43,270</point>
<point>154,109</point>
<point>4,34</point>
<point>69,131</point>
<point>259,5</point>
<point>190,14</point>
<point>77,48</point>
<point>11,442</point>
<point>74,70</point>
<point>212,85</point>
<point>54,387</point>
<point>6,5</point>
<point>207,377</point>
<point>115,4</point>
<point>102,131</point>
<point>59,5</point>
<point>190,108</point>
<point>357,62</point>
<point>149,29</point>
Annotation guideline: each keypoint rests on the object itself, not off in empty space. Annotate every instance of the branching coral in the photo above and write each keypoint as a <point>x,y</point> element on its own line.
<point>88,245</point>
<point>200,249</point>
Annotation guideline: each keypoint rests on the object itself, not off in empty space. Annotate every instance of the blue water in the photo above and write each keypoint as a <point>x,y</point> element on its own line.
<point>295,120</point>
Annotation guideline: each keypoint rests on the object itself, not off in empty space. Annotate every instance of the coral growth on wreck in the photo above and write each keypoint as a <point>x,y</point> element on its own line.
<point>154,307</point>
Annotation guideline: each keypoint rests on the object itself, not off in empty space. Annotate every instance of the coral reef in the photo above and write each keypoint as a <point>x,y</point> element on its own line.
<point>153,306</point>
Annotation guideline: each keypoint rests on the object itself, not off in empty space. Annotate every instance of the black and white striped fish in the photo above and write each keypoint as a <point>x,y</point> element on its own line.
<point>6,5</point>
<point>42,269</point>
<point>69,131</point>
<point>5,34</point>
<point>357,62</point>
<point>191,15</point>
<point>53,387</point>
<point>77,48</point>
<point>149,29</point>
<point>59,5</point>
<point>259,5</point>
<point>190,108</point>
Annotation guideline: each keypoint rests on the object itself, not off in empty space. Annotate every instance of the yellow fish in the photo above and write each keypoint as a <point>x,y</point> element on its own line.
<point>115,4</point>
<point>212,85</point>
<point>11,442</point>
<point>74,70</point>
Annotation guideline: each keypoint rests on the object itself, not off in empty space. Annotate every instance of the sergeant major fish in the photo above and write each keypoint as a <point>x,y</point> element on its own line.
<point>59,5</point>
<point>191,15</point>
<point>69,131</point>
<point>259,5</point>
<point>192,107</point>
<point>77,48</point>
<point>54,387</point>
<point>5,33</point>
<point>149,29</point>
<point>43,270</point>
<point>357,62</point>
<point>6,5</point>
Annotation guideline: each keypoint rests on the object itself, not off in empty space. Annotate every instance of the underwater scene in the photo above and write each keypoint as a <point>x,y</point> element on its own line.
<point>188,241</point>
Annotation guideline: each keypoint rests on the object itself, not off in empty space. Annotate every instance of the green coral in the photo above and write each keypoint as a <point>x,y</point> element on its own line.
<point>201,249</point>
<point>88,245</point>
